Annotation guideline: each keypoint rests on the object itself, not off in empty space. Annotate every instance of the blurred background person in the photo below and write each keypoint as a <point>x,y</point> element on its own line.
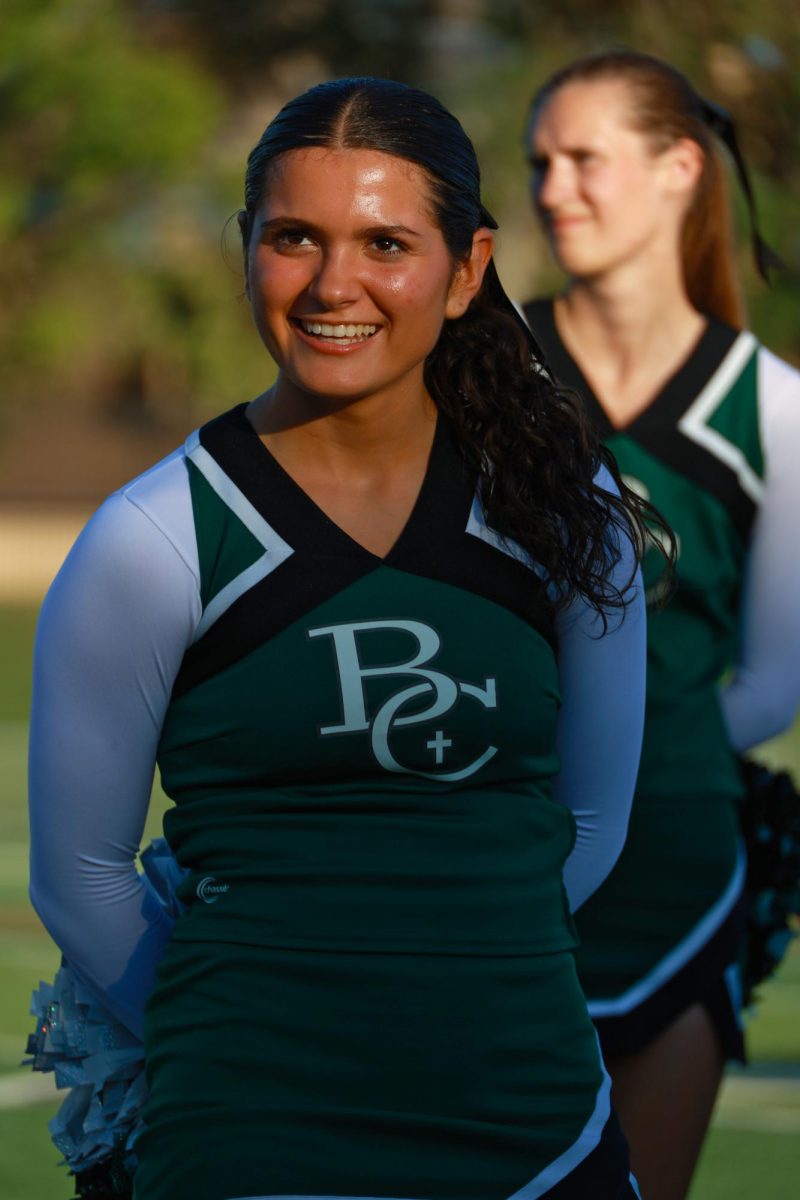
<point>628,184</point>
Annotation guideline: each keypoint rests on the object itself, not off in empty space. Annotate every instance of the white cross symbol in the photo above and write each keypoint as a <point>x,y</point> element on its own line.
<point>439,744</point>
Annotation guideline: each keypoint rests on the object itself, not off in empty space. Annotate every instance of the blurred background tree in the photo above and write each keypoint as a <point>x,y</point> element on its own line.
<point>124,127</point>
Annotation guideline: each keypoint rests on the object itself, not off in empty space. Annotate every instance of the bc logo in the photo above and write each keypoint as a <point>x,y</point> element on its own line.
<point>443,690</point>
<point>656,591</point>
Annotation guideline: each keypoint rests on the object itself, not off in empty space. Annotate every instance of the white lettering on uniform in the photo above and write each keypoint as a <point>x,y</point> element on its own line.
<point>443,690</point>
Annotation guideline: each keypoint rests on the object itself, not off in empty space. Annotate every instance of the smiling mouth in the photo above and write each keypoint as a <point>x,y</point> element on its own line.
<point>339,335</point>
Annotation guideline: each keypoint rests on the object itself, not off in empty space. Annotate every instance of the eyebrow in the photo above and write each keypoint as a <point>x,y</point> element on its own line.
<point>570,151</point>
<point>367,233</point>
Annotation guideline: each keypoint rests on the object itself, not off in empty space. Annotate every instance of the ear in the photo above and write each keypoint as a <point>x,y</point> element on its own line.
<point>241,219</point>
<point>684,161</point>
<point>469,275</point>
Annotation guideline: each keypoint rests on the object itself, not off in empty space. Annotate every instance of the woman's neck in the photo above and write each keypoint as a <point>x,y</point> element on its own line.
<point>628,334</point>
<point>368,436</point>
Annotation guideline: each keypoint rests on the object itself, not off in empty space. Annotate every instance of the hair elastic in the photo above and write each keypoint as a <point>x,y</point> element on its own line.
<point>720,122</point>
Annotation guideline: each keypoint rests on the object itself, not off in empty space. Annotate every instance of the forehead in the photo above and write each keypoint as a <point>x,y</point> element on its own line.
<point>334,181</point>
<point>584,111</point>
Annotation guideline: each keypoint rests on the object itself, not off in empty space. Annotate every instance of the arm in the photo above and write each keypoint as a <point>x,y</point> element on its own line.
<point>762,698</point>
<point>600,727</point>
<point>111,636</point>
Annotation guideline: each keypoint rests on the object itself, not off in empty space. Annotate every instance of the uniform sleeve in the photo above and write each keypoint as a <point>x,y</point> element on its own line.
<point>602,679</point>
<point>761,699</point>
<point>110,639</point>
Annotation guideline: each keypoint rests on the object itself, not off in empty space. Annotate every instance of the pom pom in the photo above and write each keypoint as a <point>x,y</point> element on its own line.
<point>771,824</point>
<point>99,1060</point>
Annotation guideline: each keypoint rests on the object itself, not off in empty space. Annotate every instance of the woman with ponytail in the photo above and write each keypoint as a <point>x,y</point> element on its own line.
<point>629,185</point>
<point>381,628</point>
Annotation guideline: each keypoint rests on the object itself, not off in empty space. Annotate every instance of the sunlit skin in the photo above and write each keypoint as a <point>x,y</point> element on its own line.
<point>612,207</point>
<point>346,238</point>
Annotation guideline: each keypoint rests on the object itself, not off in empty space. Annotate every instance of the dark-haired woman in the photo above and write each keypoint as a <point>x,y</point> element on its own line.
<point>705,422</point>
<point>381,630</point>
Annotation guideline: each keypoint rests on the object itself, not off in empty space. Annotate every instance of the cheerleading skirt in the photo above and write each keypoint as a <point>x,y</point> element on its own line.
<point>666,930</point>
<point>293,1073</point>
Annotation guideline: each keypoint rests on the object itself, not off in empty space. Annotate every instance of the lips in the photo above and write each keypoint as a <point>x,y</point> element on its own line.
<point>564,224</point>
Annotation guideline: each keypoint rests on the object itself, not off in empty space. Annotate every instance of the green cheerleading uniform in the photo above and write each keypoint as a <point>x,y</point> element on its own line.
<point>372,989</point>
<point>666,926</point>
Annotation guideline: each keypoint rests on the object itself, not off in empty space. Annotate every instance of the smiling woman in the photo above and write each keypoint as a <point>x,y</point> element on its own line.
<point>381,629</point>
<point>351,281</point>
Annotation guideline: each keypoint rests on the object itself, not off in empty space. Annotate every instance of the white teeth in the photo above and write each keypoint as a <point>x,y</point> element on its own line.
<point>338,331</point>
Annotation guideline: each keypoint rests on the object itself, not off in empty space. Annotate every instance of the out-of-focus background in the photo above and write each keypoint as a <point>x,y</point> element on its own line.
<point>124,128</point>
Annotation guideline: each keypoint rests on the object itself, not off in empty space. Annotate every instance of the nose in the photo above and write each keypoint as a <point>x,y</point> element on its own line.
<point>549,184</point>
<point>336,282</point>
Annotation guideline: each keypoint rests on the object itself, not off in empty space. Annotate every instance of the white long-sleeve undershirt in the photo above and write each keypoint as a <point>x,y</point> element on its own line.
<point>763,695</point>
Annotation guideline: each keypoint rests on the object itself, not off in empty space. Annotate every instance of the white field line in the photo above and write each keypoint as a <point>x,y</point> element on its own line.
<point>33,546</point>
<point>19,1089</point>
<point>769,1120</point>
<point>759,1105</point>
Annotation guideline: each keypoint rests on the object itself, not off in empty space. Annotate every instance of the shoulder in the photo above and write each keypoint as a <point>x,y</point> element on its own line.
<point>778,406</point>
<point>146,525</point>
<point>161,496</point>
<point>778,383</point>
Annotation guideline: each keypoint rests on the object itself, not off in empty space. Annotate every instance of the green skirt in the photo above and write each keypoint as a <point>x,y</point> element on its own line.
<point>302,1073</point>
<point>678,878</point>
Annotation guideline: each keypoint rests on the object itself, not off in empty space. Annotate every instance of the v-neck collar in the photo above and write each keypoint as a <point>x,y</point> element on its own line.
<point>436,544</point>
<point>284,504</point>
<point>671,400</point>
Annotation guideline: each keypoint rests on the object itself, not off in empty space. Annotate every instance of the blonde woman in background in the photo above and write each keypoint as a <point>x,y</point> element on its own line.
<point>704,421</point>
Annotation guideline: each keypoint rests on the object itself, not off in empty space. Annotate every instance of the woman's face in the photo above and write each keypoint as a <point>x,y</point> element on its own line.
<point>604,198</point>
<point>349,278</point>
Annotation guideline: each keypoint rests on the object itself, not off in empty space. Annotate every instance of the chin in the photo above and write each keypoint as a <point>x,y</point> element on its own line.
<point>336,392</point>
<point>579,263</point>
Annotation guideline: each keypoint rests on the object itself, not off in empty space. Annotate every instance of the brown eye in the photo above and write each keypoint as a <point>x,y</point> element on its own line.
<point>388,246</point>
<point>293,238</point>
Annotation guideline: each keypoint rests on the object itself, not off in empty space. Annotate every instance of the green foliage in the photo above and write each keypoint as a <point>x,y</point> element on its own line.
<point>125,124</point>
<point>110,219</point>
<point>242,41</point>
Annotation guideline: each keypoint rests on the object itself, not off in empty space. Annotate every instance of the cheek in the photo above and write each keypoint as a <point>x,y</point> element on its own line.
<point>415,290</point>
<point>629,187</point>
<point>274,280</point>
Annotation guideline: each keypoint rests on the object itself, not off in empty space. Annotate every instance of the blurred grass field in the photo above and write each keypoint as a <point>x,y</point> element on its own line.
<point>753,1152</point>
